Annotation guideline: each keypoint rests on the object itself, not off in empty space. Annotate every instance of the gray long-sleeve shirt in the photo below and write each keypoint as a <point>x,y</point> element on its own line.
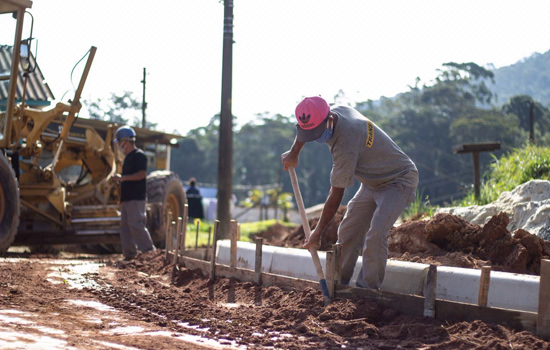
<point>361,149</point>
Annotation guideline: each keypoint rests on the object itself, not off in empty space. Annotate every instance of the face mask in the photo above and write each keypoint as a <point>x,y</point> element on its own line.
<point>119,144</point>
<point>327,134</point>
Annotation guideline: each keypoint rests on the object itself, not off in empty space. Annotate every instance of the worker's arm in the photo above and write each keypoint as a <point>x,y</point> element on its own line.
<point>140,175</point>
<point>329,210</point>
<point>290,158</point>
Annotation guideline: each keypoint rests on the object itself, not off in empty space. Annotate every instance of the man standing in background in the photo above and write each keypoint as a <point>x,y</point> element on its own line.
<point>133,195</point>
<point>194,200</point>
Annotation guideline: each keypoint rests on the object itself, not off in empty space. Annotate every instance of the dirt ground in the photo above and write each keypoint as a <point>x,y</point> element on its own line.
<point>75,302</point>
<point>71,301</point>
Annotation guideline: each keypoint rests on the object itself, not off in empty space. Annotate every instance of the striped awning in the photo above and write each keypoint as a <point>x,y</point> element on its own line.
<point>38,92</point>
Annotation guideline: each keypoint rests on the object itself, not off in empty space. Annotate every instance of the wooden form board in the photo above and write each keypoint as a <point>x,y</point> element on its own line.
<point>412,305</point>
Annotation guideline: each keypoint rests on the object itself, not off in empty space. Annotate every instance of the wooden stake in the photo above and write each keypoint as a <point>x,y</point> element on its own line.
<point>184,232</point>
<point>198,224</point>
<point>484,280</point>
<point>543,316</point>
<point>329,268</point>
<point>168,235</point>
<point>233,249</point>
<point>429,291</point>
<point>208,242</point>
<point>174,229</point>
<point>337,248</point>
<point>258,261</point>
<point>213,251</point>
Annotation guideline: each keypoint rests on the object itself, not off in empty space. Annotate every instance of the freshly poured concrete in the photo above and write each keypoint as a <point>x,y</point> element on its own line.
<point>506,290</point>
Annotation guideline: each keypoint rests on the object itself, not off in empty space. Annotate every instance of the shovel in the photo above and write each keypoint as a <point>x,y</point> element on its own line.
<point>307,230</point>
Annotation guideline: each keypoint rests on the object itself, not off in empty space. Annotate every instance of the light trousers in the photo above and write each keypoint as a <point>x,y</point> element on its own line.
<point>133,231</point>
<point>365,228</point>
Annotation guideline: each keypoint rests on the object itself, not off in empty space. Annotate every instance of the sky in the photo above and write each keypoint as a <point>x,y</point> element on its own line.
<point>284,50</point>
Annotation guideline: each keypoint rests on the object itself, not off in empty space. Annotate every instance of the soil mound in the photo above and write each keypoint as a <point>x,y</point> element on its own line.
<point>526,206</point>
<point>451,241</point>
<point>445,239</point>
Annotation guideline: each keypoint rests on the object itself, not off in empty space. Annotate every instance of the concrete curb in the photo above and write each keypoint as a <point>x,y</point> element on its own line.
<point>506,290</point>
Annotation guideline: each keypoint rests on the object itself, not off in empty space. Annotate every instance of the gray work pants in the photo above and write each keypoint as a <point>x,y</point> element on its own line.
<point>366,225</point>
<point>132,228</point>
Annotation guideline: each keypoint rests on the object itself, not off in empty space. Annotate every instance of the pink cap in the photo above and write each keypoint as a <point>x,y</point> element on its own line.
<point>311,115</point>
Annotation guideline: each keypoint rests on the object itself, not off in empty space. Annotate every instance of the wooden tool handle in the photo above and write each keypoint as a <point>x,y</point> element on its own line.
<point>299,201</point>
<point>305,222</point>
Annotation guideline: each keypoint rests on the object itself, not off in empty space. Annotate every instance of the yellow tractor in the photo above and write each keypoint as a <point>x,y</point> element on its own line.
<point>56,169</point>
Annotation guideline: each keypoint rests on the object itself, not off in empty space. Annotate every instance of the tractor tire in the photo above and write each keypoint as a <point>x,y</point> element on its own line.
<point>9,204</point>
<point>165,187</point>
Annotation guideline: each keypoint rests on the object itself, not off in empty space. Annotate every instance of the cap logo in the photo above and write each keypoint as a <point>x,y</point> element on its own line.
<point>304,119</point>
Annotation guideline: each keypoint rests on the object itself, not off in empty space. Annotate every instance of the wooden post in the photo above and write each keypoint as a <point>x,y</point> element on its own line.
<point>429,291</point>
<point>175,229</point>
<point>198,224</point>
<point>184,228</point>
<point>543,316</point>
<point>213,251</point>
<point>208,242</point>
<point>258,261</point>
<point>475,148</point>
<point>337,248</point>
<point>484,280</point>
<point>532,122</point>
<point>329,269</point>
<point>234,232</point>
<point>168,234</point>
<point>475,157</point>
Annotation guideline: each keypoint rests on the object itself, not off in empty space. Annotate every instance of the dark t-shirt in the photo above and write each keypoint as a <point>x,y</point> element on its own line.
<point>134,190</point>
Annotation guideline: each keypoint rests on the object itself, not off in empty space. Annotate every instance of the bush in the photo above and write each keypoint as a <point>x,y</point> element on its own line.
<point>508,172</point>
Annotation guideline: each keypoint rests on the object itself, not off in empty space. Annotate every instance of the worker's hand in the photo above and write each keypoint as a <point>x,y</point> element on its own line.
<point>314,240</point>
<point>290,159</point>
<point>117,178</point>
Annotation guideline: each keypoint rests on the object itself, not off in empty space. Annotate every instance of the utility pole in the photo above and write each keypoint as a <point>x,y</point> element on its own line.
<point>532,122</point>
<point>143,103</point>
<point>225,147</point>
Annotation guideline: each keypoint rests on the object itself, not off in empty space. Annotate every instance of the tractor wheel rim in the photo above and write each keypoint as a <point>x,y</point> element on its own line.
<point>173,206</point>
<point>2,203</point>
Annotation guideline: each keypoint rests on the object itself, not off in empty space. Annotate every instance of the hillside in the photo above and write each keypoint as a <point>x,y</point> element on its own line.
<point>529,76</point>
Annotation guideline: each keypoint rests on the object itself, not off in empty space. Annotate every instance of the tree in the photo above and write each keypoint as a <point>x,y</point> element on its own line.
<point>520,106</point>
<point>117,109</point>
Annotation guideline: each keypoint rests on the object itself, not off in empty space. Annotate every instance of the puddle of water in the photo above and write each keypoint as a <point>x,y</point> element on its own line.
<point>229,305</point>
<point>115,346</point>
<point>199,340</point>
<point>91,304</point>
<point>16,320</point>
<point>129,330</point>
<point>195,327</point>
<point>14,312</point>
<point>74,274</point>
<point>22,340</point>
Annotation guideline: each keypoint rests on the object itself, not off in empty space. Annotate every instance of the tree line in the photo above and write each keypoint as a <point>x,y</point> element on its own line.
<point>457,107</point>
<point>425,122</point>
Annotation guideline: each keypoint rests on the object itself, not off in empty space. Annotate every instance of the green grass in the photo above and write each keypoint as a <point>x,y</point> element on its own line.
<point>248,229</point>
<point>419,207</point>
<point>191,234</point>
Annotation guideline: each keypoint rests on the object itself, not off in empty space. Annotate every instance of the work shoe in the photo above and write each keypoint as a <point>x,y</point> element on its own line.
<point>129,258</point>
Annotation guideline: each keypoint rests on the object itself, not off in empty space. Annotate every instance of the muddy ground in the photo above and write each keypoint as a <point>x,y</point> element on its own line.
<point>78,302</point>
<point>53,303</point>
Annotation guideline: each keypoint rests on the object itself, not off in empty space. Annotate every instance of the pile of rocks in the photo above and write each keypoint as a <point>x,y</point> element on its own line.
<point>527,206</point>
